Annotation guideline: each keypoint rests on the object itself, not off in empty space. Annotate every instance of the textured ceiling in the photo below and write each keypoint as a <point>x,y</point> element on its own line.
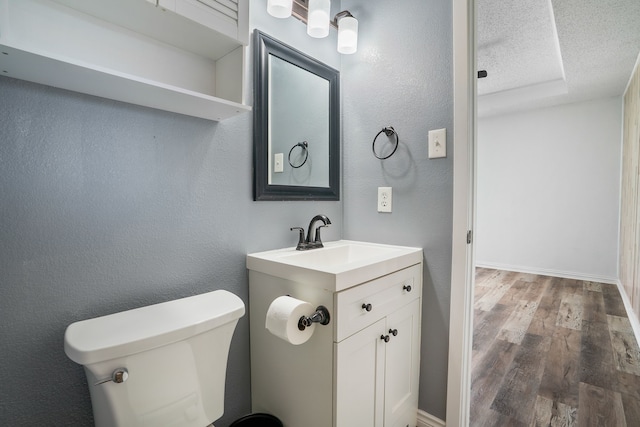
<point>539,53</point>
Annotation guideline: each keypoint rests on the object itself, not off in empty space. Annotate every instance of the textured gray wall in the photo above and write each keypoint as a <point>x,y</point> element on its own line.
<point>106,206</point>
<point>402,76</point>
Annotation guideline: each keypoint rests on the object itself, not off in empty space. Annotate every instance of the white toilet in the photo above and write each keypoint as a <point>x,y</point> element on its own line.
<point>160,365</point>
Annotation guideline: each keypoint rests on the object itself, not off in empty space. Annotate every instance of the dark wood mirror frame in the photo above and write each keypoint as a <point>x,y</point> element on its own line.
<point>264,46</point>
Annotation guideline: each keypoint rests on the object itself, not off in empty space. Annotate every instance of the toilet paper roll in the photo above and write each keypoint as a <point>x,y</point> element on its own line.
<point>283,316</point>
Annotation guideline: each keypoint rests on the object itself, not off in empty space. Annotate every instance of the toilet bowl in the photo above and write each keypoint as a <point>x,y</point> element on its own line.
<point>162,365</point>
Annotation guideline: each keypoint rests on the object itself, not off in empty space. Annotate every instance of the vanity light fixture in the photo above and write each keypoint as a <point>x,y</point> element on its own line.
<point>318,18</point>
<point>347,32</point>
<point>315,13</point>
<point>280,8</point>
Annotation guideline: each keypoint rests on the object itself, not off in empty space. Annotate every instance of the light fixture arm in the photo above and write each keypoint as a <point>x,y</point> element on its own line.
<point>299,9</point>
<point>339,15</point>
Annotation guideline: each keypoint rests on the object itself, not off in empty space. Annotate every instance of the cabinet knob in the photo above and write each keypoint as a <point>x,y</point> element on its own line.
<point>367,307</point>
<point>385,338</point>
<point>393,332</point>
<point>407,288</point>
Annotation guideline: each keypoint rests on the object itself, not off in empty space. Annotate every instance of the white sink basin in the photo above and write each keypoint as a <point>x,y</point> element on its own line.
<point>337,266</point>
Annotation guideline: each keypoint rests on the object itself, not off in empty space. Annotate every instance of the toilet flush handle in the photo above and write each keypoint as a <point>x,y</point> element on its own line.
<point>118,376</point>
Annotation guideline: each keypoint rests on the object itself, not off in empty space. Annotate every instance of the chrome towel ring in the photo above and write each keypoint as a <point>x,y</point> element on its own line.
<point>389,131</point>
<point>305,147</point>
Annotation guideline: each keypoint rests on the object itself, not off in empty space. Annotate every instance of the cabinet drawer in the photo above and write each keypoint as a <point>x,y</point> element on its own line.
<point>380,296</point>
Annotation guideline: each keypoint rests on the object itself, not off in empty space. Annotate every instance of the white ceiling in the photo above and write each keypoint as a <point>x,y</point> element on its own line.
<point>540,53</point>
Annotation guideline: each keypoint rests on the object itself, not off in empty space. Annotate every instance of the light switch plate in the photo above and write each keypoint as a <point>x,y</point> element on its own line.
<point>437,143</point>
<point>278,163</point>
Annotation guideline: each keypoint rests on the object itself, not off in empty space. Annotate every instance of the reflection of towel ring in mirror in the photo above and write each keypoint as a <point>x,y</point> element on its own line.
<point>305,147</point>
<point>389,131</point>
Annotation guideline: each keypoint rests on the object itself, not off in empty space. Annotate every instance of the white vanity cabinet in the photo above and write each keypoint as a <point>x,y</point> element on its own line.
<point>187,57</point>
<point>361,369</point>
<point>377,366</point>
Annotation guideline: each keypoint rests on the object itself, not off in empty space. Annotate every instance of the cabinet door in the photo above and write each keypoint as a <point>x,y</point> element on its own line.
<point>220,15</point>
<point>359,378</point>
<point>167,4</point>
<point>402,364</point>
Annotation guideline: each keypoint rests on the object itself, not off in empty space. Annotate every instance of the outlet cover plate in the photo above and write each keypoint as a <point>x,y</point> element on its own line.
<point>384,199</point>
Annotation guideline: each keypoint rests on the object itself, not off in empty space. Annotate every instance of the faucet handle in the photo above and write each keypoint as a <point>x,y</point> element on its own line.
<point>301,242</point>
<point>318,239</point>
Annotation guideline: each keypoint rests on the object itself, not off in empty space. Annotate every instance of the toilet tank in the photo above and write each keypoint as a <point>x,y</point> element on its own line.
<point>174,355</point>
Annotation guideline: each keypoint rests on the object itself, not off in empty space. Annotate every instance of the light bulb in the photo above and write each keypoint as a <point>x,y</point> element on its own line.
<point>318,18</point>
<point>347,35</point>
<point>280,8</point>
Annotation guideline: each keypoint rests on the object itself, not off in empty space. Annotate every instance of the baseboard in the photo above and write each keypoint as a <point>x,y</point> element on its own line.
<point>548,272</point>
<point>633,317</point>
<point>427,420</point>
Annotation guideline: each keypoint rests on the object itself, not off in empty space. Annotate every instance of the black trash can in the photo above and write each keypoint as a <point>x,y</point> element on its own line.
<point>257,420</point>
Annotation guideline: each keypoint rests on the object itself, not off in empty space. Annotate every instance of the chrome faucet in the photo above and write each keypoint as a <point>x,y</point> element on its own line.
<point>316,242</point>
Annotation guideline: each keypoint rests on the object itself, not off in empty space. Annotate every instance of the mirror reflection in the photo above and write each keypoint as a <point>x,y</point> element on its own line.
<point>296,132</point>
<point>299,107</point>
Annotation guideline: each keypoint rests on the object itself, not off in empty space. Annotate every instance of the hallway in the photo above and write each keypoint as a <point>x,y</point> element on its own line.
<point>552,351</point>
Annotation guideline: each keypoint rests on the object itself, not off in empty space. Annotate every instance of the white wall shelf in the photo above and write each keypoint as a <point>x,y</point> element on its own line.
<point>131,51</point>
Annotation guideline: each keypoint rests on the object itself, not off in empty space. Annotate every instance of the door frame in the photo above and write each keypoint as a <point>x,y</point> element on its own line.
<point>462,262</point>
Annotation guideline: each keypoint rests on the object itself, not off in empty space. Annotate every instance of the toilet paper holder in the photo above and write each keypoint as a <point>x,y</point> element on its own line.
<point>320,316</point>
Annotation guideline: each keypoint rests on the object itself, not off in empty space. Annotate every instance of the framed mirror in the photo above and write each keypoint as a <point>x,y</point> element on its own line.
<point>296,124</point>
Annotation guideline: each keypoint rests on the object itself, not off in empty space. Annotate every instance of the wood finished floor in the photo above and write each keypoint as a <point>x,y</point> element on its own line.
<point>552,352</point>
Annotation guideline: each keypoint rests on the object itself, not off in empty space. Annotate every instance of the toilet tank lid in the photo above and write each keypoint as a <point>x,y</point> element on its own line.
<point>129,332</point>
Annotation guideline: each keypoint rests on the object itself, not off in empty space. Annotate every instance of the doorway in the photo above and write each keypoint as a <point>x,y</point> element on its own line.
<point>464,21</point>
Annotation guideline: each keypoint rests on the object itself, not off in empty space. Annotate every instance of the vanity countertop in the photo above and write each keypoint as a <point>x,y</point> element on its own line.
<point>339,265</point>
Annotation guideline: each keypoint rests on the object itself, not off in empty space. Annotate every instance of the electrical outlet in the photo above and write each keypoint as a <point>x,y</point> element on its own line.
<point>437,143</point>
<point>278,165</point>
<point>384,199</point>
